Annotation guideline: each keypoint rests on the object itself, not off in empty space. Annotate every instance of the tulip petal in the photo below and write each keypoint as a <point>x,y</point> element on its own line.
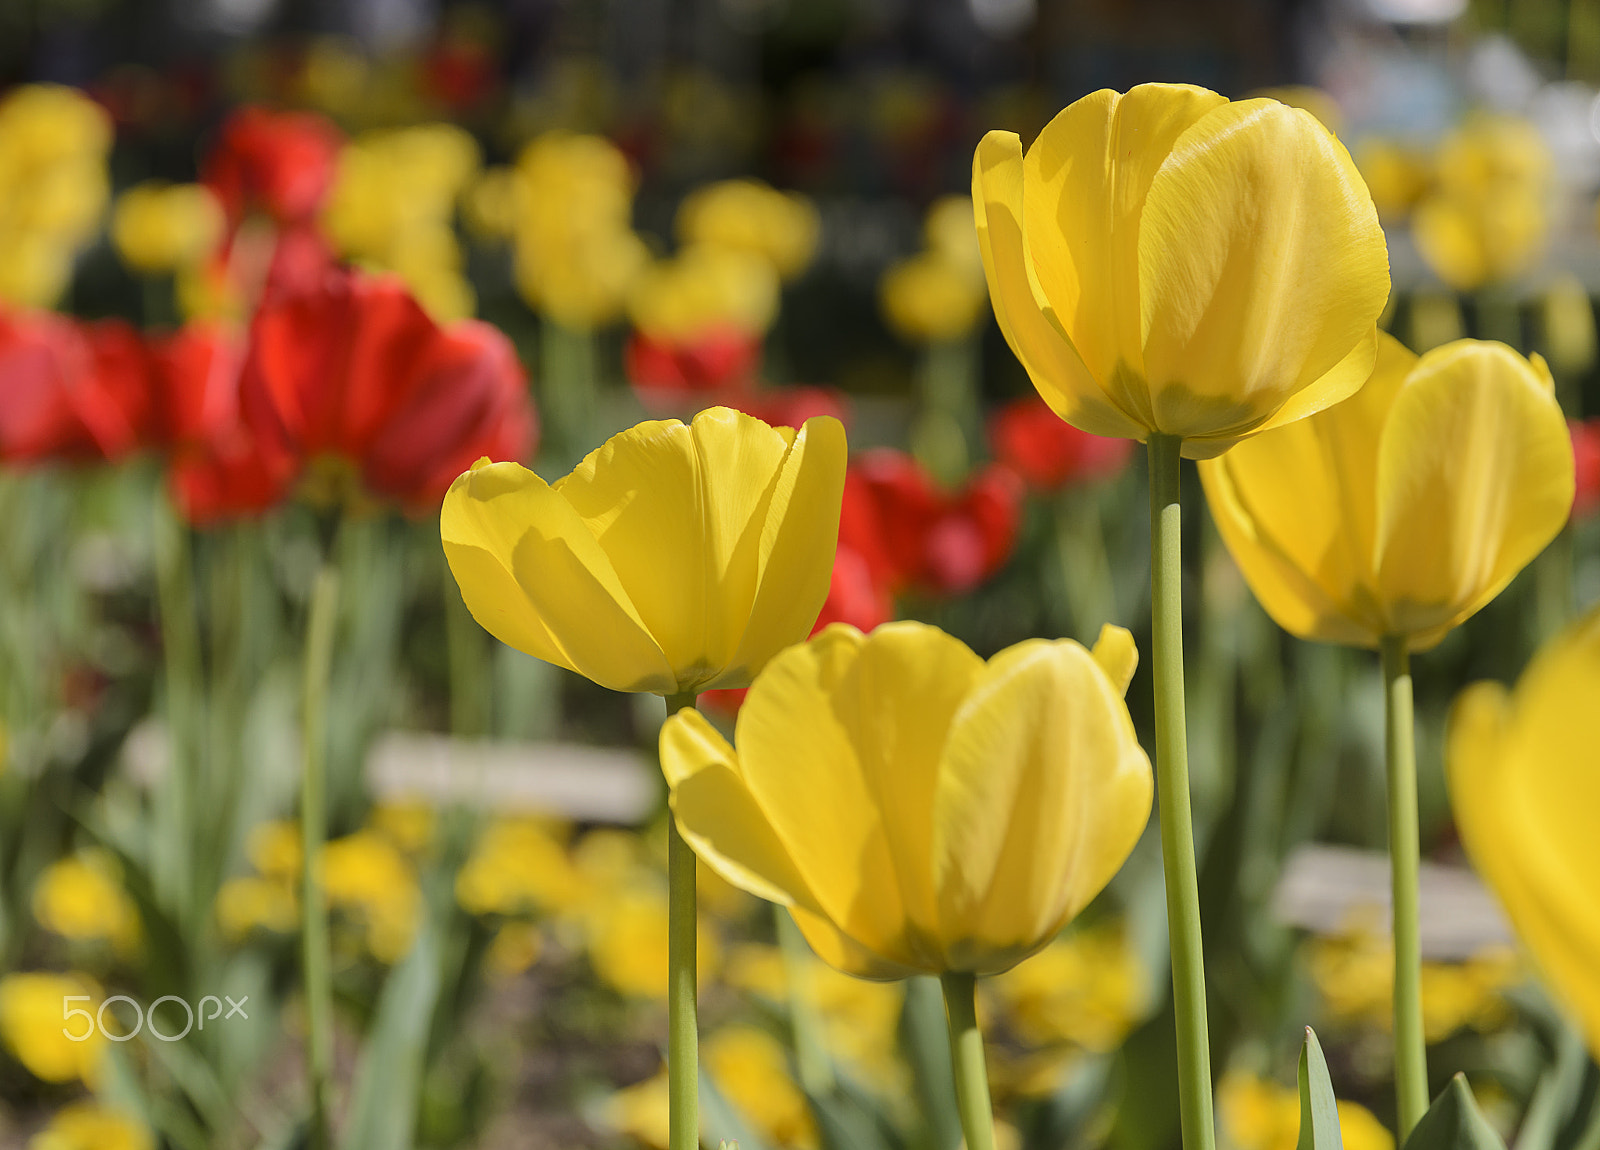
<point>842,952</point>
<point>1474,478</point>
<point>719,817</point>
<point>533,577</point>
<point>1117,656</point>
<point>1085,182</point>
<point>1524,783</point>
<point>794,566</point>
<point>1043,791</point>
<point>1261,264</point>
<point>1048,356</point>
<point>844,731</point>
<point>1297,507</point>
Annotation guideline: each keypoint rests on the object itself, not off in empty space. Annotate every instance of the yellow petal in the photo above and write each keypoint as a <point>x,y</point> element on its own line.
<point>719,817</point>
<point>844,732</point>
<point>842,952</point>
<point>1086,179</point>
<point>1043,791</point>
<point>1524,783</point>
<point>1475,477</point>
<point>1297,507</point>
<point>1048,356</point>
<point>794,563</point>
<point>533,577</point>
<point>1261,266</point>
<point>1117,656</point>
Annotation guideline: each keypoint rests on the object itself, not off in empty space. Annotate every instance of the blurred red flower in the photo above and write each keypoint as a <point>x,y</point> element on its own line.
<point>69,390</point>
<point>1586,461</point>
<point>353,378</point>
<point>1049,452</point>
<point>279,163</point>
<point>917,537</point>
<point>219,468</point>
<point>665,373</point>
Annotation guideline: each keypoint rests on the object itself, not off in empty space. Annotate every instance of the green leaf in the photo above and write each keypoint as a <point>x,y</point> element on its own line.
<point>1454,1122</point>
<point>1319,1112</point>
<point>388,1080</point>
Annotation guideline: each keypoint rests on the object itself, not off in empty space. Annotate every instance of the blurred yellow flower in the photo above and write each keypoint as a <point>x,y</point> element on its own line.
<point>247,903</point>
<point>1406,508</point>
<point>1260,1115</point>
<point>1569,328</point>
<point>1354,973</point>
<point>1524,785</point>
<point>392,204</point>
<point>918,809</point>
<point>53,187</point>
<point>704,288</point>
<point>274,848</point>
<point>81,897</point>
<point>675,558</point>
<point>948,231</point>
<point>1087,989</point>
<point>628,942</point>
<point>1487,218</point>
<point>364,873</point>
<point>642,1111</point>
<point>1172,262</point>
<point>931,298</point>
<point>408,825</point>
<point>34,1025</point>
<point>750,1069</point>
<point>517,866</point>
<point>749,215</point>
<point>1396,174</point>
<point>160,227</point>
<point>93,1126</point>
<point>515,947</point>
<point>576,255</point>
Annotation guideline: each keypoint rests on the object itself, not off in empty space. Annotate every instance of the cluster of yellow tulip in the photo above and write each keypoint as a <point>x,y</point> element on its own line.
<point>1202,275</point>
<point>54,185</point>
<point>937,294</point>
<point>392,207</point>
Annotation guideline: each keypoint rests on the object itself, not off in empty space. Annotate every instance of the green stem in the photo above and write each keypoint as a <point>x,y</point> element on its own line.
<point>568,383</point>
<point>1085,568</point>
<point>966,1055</point>
<point>181,667</point>
<point>1410,1053</point>
<point>313,830</point>
<point>469,691</point>
<point>683,1023</point>
<point>810,1052</point>
<point>1172,781</point>
<point>1590,1138</point>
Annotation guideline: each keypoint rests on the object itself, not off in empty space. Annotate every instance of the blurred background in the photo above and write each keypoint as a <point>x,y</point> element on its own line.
<point>662,205</point>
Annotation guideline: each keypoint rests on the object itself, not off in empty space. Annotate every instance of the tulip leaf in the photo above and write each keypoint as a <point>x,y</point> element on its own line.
<point>1319,1111</point>
<point>1454,1122</point>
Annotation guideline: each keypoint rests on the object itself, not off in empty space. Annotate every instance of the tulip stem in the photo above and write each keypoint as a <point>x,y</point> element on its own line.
<point>966,1056</point>
<point>313,830</point>
<point>1172,781</point>
<point>683,1023</point>
<point>1410,1053</point>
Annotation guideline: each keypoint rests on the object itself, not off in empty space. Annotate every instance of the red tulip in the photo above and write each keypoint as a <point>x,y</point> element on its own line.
<point>356,370</point>
<point>720,360</point>
<point>917,537</point>
<point>69,390</point>
<point>1586,459</point>
<point>1048,451</point>
<point>278,163</point>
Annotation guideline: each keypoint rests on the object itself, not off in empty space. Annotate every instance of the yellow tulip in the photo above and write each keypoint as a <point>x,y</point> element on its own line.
<point>81,898</point>
<point>31,1017</point>
<point>160,227</point>
<point>1524,778</point>
<point>1406,508</point>
<point>918,809</point>
<point>91,1126</point>
<point>1170,262</point>
<point>675,558</point>
<point>751,216</point>
<point>704,288</point>
<point>931,297</point>
<point>1397,175</point>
